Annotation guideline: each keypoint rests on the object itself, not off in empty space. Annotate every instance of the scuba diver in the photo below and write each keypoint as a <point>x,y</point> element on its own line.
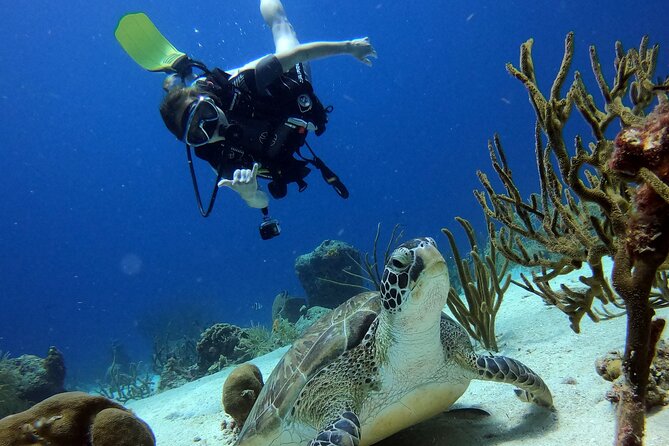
<point>247,122</point>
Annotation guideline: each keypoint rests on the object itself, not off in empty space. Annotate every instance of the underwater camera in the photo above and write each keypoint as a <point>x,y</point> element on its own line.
<point>269,228</point>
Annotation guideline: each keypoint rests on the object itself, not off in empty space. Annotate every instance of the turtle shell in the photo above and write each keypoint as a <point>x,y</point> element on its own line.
<point>329,337</point>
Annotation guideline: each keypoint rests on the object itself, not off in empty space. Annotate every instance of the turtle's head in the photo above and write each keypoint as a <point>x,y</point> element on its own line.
<point>415,280</point>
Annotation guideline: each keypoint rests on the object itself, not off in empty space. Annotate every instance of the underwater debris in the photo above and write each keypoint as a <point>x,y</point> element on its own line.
<point>588,209</point>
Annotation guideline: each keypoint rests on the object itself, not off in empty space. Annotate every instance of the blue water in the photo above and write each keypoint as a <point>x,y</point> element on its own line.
<point>99,230</point>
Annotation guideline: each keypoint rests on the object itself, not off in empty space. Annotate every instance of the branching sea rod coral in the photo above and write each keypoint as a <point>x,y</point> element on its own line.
<point>483,285</point>
<point>588,207</point>
<point>582,205</point>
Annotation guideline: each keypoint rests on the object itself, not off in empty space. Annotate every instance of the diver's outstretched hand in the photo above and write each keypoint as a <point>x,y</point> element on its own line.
<point>245,183</point>
<point>362,50</point>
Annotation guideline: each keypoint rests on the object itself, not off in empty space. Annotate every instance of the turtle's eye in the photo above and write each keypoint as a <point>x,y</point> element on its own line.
<point>398,264</point>
<point>401,259</point>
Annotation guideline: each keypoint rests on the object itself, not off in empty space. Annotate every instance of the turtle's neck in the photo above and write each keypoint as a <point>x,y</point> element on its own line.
<point>407,339</point>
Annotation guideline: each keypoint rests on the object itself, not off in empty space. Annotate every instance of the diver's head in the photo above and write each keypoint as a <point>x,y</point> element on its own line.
<point>192,115</point>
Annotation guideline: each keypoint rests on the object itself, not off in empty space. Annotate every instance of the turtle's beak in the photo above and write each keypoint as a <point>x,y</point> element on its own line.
<point>434,267</point>
<point>434,262</point>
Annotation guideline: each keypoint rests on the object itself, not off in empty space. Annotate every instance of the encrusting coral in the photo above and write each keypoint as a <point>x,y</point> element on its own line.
<point>589,207</point>
<point>75,418</point>
<point>610,367</point>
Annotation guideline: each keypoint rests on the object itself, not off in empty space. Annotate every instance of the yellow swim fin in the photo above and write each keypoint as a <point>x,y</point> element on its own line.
<point>140,38</point>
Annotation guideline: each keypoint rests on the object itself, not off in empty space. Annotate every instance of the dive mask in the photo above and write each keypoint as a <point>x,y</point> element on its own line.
<point>203,121</point>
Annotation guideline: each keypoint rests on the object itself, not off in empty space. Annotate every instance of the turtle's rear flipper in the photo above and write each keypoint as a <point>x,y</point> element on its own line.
<point>531,388</point>
<point>344,431</point>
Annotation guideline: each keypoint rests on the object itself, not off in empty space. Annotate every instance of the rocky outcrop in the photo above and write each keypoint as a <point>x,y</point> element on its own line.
<point>287,307</point>
<point>324,273</point>
<point>30,379</point>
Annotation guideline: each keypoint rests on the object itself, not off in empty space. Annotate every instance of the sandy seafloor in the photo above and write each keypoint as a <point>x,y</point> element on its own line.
<point>528,330</point>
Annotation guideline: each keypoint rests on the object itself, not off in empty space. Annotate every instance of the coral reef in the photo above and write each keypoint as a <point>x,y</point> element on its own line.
<point>309,318</point>
<point>483,284</point>
<point>29,379</point>
<point>175,374</point>
<point>260,341</point>
<point>9,401</point>
<point>330,274</point>
<point>589,207</point>
<point>283,332</point>
<point>610,367</point>
<point>174,330</point>
<point>582,207</point>
<point>240,391</point>
<point>75,418</point>
<point>220,345</point>
<point>257,341</point>
<point>125,380</point>
<point>223,344</point>
<point>287,307</point>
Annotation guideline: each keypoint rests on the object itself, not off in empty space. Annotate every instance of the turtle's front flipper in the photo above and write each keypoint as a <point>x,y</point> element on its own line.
<point>344,431</point>
<point>531,387</point>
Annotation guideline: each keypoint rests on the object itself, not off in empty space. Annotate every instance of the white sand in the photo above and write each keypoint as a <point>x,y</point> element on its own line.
<point>529,331</point>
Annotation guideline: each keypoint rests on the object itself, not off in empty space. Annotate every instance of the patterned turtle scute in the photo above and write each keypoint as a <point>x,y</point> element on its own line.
<point>330,337</point>
<point>354,367</point>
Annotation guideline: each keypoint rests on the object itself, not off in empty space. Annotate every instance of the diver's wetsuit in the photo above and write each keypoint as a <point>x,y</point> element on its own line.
<point>257,103</point>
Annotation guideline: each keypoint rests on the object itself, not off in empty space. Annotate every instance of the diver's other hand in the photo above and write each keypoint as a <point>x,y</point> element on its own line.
<point>245,183</point>
<point>362,50</point>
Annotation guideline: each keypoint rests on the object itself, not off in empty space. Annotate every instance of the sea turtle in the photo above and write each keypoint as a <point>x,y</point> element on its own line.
<point>380,362</point>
